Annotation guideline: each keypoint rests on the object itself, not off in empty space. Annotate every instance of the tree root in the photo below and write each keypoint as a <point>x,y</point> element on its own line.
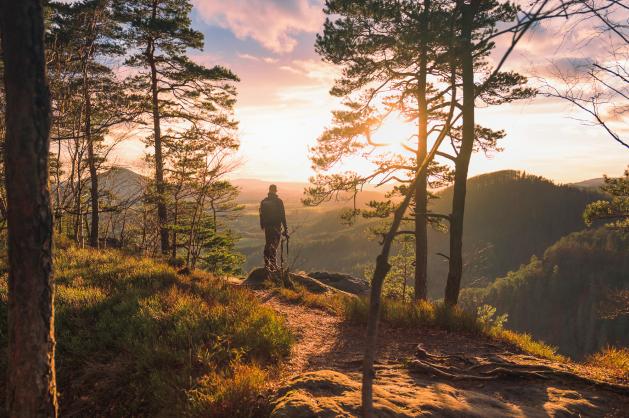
<point>493,374</point>
<point>498,368</point>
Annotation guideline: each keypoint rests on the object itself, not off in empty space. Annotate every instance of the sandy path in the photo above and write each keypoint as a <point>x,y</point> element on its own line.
<point>318,335</point>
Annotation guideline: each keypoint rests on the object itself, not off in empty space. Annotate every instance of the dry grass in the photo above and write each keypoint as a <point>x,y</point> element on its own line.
<point>437,315</point>
<point>408,315</point>
<point>527,344</point>
<point>235,392</point>
<point>300,295</point>
<point>613,359</point>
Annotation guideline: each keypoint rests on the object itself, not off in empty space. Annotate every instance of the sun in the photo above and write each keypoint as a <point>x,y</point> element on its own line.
<point>394,132</point>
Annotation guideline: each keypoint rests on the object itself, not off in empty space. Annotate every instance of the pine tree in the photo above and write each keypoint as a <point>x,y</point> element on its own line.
<point>388,50</point>
<point>195,167</point>
<point>615,211</point>
<point>169,86</point>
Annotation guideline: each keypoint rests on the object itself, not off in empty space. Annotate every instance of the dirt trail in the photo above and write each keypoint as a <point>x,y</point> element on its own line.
<point>318,335</point>
<point>325,343</point>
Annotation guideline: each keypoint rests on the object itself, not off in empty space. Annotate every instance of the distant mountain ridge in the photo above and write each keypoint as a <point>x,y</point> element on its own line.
<point>589,184</point>
<point>510,216</point>
<point>125,183</point>
<point>254,190</point>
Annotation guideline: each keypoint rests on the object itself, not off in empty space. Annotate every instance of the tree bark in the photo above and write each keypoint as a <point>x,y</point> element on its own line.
<point>462,163</point>
<point>91,161</point>
<point>162,212</point>
<point>31,371</point>
<point>421,194</point>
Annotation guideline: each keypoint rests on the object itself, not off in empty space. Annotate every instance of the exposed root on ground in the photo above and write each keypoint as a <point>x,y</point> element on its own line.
<point>493,367</point>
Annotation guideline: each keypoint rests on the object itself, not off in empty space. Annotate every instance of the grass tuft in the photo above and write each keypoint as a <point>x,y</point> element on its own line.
<point>612,358</point>
<point>408,315</point>
<point>300,295</point>
<point>234,393</point>
<point>527,344</point>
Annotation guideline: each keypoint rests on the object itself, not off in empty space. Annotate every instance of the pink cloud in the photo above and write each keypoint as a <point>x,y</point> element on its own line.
<point>273,23</point>
<point>268,60</point>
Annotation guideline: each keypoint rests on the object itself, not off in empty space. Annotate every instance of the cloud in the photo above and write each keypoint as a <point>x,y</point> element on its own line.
<point>290,69</point>
<point>272,23</point>
<point>315,70</point>
<point>268,60</point>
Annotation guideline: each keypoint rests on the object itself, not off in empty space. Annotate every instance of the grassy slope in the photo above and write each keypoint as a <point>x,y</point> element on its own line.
<point>136,339</point>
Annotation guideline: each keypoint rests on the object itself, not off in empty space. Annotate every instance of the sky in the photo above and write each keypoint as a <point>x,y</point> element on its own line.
<point>284,104</point>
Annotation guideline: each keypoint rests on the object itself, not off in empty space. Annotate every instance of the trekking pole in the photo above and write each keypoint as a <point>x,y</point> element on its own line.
<point>287,254</point>
<point>282,255</point>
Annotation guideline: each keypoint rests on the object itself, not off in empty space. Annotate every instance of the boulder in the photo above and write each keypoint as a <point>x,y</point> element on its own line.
<point>344,282</point>
<point>312,285</point>
<point>259,278</point>
<point>330,394</point>
<point>321,394</point>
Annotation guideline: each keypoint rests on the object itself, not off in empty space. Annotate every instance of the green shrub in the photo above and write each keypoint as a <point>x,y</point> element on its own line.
<point>486,316</point>
<point>136,339</point>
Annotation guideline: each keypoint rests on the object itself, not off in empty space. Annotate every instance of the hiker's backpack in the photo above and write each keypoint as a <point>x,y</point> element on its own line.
<point>270,212</point>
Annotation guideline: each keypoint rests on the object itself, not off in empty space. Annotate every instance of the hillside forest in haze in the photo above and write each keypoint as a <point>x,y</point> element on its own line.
<point>142,292</point>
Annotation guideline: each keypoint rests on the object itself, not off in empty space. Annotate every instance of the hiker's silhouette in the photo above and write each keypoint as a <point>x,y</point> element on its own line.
<point>272,221</point>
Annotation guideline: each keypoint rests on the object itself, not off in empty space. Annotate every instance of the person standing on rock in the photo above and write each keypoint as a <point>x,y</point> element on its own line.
<point>272,220</point>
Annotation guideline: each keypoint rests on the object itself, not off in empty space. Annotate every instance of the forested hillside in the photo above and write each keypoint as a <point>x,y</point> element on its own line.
<point>566,297</point>
<point>509,217</point>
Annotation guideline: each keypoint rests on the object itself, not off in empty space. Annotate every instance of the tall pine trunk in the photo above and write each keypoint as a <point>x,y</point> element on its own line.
<point>31,370</point>
<point>455,272</point>
<point>421,194</point>
<point>91,160</point>
<point>162,213</point>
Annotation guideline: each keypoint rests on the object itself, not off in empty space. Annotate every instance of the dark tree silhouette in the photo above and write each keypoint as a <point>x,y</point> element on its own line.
<point>31,377</point>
